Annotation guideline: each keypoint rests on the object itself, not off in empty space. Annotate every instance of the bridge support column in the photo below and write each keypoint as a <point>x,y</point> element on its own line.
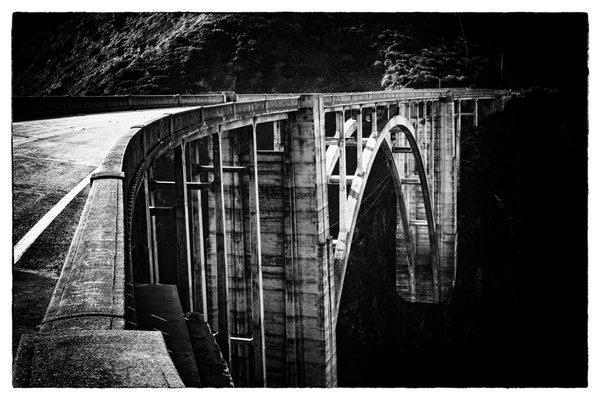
<point>198,236</point>
<point>340,120</point>
<point>447,139</point>
<point>223,336</point>
<point>257,294</point>
<point>153,271</point>
<point>184,259</point>
<point>310,358</point>
<point>374,120</point>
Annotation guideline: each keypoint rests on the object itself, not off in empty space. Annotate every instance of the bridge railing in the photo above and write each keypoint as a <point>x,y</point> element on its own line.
<point>25,107</point>
<point>336,99</point>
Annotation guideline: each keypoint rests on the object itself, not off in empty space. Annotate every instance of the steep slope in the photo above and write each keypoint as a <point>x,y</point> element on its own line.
<point>147,53</point>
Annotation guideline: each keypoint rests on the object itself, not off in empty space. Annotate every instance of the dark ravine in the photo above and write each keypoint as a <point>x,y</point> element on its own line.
<point>518,314</point>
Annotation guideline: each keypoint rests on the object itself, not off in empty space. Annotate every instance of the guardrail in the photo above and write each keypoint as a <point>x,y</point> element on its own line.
<point>25,107</point>
<point>338,99</point>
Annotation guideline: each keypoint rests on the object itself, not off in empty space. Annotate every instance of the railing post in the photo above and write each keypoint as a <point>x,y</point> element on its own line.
<point>258,328</point>
<point>184,262</point>
<point>223,336</point>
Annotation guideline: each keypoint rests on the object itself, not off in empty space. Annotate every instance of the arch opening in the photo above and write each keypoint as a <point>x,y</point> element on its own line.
<point>369,297</point>
<point>423,249</point>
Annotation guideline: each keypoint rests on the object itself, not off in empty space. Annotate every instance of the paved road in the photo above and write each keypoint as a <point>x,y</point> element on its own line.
<point>52,156</point>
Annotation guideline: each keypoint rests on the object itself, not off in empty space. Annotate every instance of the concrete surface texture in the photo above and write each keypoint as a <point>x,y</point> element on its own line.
<point>95,359</point>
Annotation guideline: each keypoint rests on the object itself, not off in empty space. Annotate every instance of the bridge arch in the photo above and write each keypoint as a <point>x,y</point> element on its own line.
<point>381,140</point>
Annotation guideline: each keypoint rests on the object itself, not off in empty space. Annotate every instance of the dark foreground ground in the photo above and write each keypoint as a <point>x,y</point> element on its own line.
<point>518,316</point>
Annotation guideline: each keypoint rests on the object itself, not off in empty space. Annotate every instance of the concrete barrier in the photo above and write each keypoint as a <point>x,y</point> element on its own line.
<point>26,107</point>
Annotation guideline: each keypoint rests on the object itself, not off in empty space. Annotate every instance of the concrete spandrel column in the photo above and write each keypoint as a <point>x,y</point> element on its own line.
<point>359,136</point>
<point>258,329</point>
<point>309,320</point>
<point>342,171</point>
<point>374,121</point>
<point>184,262</point>
<point>223,336</point>
<point>276,136</point>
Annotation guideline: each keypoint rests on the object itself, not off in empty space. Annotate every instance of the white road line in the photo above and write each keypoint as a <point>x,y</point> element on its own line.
<point>31,236</point>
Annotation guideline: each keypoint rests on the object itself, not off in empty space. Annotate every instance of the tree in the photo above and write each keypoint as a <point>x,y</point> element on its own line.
<point>443,65</point>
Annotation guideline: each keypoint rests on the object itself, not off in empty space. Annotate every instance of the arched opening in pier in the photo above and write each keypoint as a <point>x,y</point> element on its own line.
<point>369,294</point>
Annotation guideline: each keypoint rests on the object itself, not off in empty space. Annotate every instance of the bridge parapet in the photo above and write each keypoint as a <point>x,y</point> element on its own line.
<point>29,107</point>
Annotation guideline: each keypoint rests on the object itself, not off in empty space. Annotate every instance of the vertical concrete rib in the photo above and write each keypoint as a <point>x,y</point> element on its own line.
<point>149,231</point>
<point>197,223</point>
<point>223,336</point>
<point>258,329</point>
<point>184,264</point>
<point>340,119</point>
<point>359,136</point>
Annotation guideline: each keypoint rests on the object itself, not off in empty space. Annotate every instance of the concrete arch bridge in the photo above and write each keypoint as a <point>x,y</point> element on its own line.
<point>241,216</point>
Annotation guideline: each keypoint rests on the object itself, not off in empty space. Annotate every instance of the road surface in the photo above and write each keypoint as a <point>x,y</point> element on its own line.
<point>52,156</point>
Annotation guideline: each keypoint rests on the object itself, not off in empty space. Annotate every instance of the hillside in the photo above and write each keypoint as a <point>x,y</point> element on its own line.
<point>86,54</point>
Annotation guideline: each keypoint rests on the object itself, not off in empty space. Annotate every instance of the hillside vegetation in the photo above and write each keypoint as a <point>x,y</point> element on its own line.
<point>87,54</point>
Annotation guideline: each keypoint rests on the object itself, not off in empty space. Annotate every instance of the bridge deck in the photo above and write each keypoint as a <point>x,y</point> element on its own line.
<point>52,156</point>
